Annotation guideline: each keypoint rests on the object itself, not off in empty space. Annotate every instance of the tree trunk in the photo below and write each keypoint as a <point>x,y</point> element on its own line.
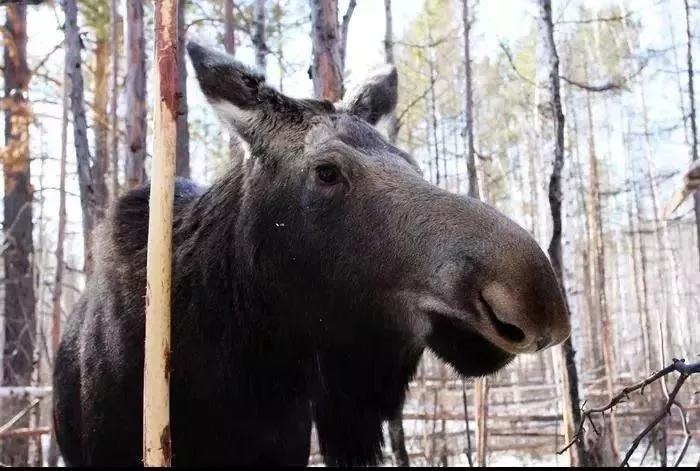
<point>182,161</point>
<point>555,198</point>
<point>392,123</point>
<point>469,105</point>
<point>344,32</point>
<point>691,99</point>
<point>481,406</point>
<point>260,37</point>
<point>156,396</point>
<point>17,226</point>
<point>82,151</point>
<point>57,295</point>
<point>326,71</point>
<point>115,24</point>
<point>229,28</point>
<point>598,235</point>
<point>135,96</point>
<point>101,126</point>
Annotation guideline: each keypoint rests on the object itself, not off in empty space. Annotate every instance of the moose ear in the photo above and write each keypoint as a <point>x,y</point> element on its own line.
<point>375,97</point>
<point>238,94</point>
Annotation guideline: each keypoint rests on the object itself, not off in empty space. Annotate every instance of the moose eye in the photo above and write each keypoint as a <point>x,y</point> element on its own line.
<point>328,174</point>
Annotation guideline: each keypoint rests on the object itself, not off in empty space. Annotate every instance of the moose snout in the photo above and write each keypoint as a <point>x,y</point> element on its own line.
<point>524,320</point>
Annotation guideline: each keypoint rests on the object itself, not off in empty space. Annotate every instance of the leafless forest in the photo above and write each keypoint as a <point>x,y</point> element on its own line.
<point>576,119</point>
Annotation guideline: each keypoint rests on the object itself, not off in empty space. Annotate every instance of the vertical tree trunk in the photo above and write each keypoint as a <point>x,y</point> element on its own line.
<point>229,28</point>
<point>433,116</point>
<point>260,37</point>
<point>82,151</point>
<point>135,96</point>
<point>326,70</point>
<point>115,37</point>
<point>57,295</point>
<point>344,32</point>
<point>469,105</point>
<point>182,161</point>
<point>17,226</point>
<point>693,115</point>
<point>392,123</point>
<point>555,200</point>
<point>101,124</point>
<point>156,388</point>
<point>599,248</point>
<point>481,406</point>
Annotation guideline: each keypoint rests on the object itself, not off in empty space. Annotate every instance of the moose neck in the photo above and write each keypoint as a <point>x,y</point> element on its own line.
<point>354,385</point>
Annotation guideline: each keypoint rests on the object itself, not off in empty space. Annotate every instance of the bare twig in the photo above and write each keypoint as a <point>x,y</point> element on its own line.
<point>679,366</point>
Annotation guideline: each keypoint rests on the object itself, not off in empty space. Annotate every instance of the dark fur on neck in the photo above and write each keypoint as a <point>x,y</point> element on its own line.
<point>232,343</point>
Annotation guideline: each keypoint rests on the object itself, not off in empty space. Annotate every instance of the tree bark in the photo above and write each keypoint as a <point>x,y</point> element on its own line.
<point>469,105</point>
<point>693,115</point>
<point>101,125</point>
<point>20,318</point>
<point>392,123</point>
<point>182,162</point>
<point>598,235</point>
<point>229,28</point>
<point>260,37</point>
<point>326,71</point>
<point>115,24</point>
<point>345,26</point>
<point>135,96</point>
<point>57,295</point>
<point>156,396</point>
<point>82,151</point>
<point>555,200</point>
<point>481,404</point>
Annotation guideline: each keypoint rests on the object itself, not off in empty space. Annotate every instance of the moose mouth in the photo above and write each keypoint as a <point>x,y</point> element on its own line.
<point>467,345</point>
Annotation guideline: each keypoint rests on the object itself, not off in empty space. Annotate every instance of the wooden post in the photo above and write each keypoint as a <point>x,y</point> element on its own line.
<point>156,384</point>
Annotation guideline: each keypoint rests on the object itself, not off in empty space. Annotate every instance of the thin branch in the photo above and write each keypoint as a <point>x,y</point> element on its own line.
<point>679,366</point>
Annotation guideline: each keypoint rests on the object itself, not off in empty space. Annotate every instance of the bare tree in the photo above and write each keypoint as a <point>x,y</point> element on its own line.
<point>115,33</point>
<point>260,37</point>
<point>156,396</point>
<point>392,121</point>
<point>17,220</point>
<point>469,105</point>
<point>327,69</point>
<point>693,115</point>
<point>555,200</point>
<point>182,161</point>
<point>135,95</point>
<point>82,150</point>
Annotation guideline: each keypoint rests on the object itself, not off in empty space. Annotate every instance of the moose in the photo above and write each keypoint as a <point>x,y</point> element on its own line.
<point>307,283</point>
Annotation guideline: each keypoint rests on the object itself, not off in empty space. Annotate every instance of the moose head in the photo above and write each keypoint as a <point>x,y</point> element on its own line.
<point>354,237</point>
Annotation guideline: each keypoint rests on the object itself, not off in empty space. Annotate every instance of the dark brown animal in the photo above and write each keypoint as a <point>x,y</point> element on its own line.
<point>307,284</point>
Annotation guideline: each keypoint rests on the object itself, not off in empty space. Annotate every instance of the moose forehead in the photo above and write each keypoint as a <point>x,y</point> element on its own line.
<point>348,131</point>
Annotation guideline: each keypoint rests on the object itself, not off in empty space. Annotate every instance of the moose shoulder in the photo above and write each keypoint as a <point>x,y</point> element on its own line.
<point>306,285</point>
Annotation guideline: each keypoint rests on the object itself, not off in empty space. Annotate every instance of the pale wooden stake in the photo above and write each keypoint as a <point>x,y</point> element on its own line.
<point>156,387</point>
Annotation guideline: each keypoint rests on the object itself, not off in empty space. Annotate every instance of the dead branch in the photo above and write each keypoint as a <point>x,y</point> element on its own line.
<point>679,366</point>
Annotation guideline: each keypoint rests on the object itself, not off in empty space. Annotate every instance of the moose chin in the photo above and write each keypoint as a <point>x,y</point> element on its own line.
<point>307,283</point>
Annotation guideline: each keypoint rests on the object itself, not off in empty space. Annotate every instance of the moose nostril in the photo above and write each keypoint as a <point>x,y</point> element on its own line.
<point>510,332</point>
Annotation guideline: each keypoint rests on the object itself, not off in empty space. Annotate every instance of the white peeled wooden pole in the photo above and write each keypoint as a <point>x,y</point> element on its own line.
<point>156,384</point>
